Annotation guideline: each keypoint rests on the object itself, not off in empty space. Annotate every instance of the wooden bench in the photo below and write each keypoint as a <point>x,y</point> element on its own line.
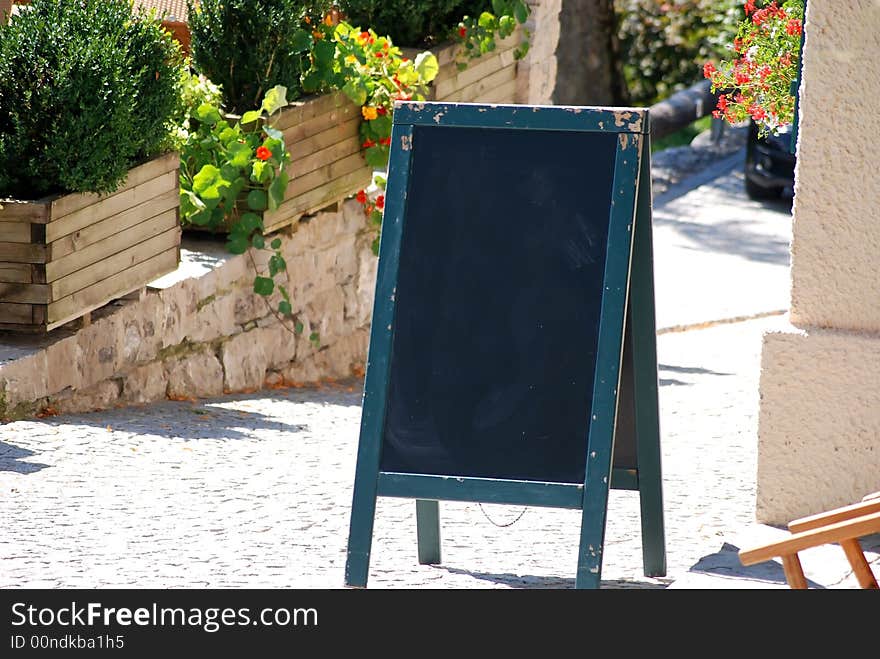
<point>843,526</point>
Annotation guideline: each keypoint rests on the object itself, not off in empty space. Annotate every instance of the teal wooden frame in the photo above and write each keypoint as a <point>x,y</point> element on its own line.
<point>627,298</point>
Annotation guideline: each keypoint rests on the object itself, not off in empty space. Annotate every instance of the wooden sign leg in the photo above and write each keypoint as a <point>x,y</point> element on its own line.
<point>643,334</point>
<point>428,529</point>
<point>360,534</point>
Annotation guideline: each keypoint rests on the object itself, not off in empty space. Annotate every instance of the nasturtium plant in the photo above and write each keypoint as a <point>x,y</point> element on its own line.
<point>373,73</point>
<point>231,171</point>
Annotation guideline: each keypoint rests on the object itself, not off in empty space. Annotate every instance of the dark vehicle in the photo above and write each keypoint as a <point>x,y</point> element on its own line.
<point>769,166</point>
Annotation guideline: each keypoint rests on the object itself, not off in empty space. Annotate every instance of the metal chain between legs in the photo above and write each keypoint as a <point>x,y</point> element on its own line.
<point>486,515</point>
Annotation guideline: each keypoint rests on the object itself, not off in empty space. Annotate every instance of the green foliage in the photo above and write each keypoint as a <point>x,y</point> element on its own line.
<point>411,23</point>
<point>478,30</point>
<point>249,46</point>
<point>196,90</point>
<point>231,171</point>
<point>759,82</point>
<point>663,44</point>
<point>373,73</point>
<point>87,90</point>
<point>425,23</point>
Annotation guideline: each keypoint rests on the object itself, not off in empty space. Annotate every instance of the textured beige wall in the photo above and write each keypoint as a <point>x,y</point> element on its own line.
<point>536,75</point>
<point>819,419</point>
<point>836,236</point>
<point>819,422</point>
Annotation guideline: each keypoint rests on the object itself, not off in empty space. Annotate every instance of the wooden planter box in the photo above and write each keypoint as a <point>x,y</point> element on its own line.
<point>491,78</point>
<point>64,256</point>
<point>326,160</point>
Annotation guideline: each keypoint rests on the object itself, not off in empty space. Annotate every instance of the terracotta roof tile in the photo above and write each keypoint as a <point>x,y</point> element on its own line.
<point>172,9</point>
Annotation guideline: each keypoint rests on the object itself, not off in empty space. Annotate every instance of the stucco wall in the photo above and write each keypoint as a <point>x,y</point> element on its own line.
<point>819,421</point>
<point>836,234</point>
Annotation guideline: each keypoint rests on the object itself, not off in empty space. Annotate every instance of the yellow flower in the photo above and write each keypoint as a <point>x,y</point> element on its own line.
<point>369,112</point>
<point>350,59</point>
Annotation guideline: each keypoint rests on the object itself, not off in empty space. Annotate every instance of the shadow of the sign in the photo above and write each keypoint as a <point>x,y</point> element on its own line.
<point>535,582</point>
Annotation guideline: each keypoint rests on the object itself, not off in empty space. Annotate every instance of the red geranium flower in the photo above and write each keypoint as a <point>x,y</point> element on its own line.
<point>462,32</point>
<point>263,153</point>
<point>380,201</point>
<point>361,196</point>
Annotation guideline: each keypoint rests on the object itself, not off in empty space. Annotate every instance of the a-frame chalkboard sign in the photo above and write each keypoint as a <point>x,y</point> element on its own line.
<point>512,354</point>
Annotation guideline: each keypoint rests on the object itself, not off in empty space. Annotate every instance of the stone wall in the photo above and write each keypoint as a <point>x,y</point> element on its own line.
<point>536,75</point>
<point>211,334</point>
<point>207,335</point>
<point>819,421</point>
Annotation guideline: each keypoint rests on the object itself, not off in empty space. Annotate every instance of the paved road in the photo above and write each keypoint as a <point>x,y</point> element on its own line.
<point>255,490</point>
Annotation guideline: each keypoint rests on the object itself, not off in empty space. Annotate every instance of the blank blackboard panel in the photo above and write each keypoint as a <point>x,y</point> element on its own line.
<point>498,303</point>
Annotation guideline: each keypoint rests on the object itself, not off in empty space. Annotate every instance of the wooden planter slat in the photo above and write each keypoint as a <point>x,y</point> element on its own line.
<point>339,188</point>
<point>334,116</point>
<point>22,211</point>
<point>479,89</point>
<point>125,282</point>
<point>502,94</point>
<point>319,177</point>
<point>15,273</point>
<point>327,138</point>
<point>25,293</point>
<point>88,249</point>
<point>15,232</point>
<point>485,66</point>
<point>22,253</point>
<point>79,240</point>
<point>111,206</point>
<point>302,166</point>
<point>66,204</point>
<point>15,316</point>
<point>107,267</point>
<point>308,108</point>
<point>100,251</point>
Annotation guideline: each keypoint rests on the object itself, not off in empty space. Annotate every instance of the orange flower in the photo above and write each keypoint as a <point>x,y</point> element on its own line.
<point>369,112</point>
<point>263,153</point>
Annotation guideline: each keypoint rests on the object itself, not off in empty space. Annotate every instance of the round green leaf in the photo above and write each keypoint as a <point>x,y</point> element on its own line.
<point>257,200</point>
<point>263,286</point>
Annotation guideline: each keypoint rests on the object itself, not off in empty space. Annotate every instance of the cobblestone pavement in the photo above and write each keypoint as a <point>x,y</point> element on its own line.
<point>255,490</point>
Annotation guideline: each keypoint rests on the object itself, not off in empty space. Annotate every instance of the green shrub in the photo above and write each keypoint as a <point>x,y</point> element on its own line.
<point>87,89</point>
<point>414,23</point>
<point>250,46</point>
<point>664,44</point>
